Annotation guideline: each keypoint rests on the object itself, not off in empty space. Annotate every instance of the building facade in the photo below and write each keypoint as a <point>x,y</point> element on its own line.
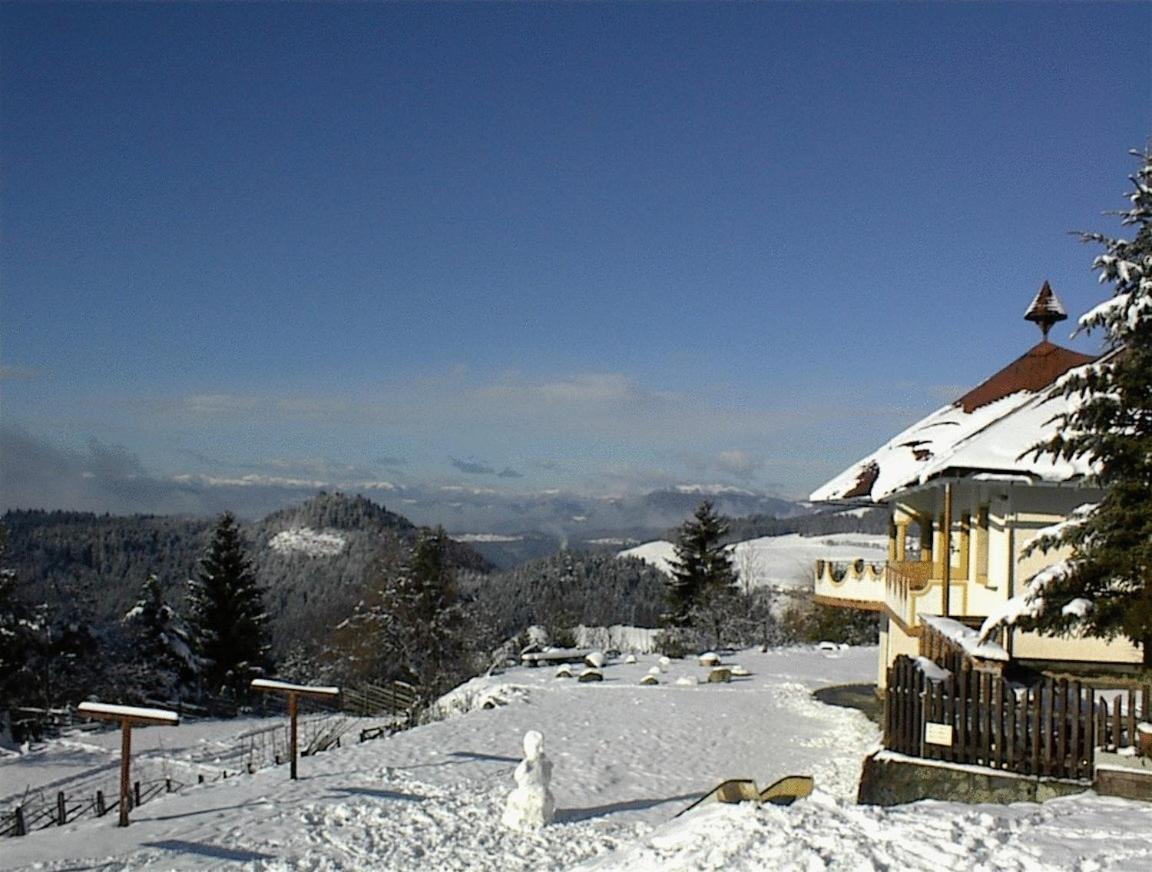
<point>967,493</point>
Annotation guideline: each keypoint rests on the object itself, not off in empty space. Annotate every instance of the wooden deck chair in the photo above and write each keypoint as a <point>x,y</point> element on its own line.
<point>787,790</point>
<point>732,790</point>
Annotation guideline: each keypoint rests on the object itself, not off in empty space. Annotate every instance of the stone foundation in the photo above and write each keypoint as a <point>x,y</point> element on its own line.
<point>892,779</point>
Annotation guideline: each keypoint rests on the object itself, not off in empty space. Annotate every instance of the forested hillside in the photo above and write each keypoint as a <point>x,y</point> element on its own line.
<point>567,589</point>
<point>312,560</point>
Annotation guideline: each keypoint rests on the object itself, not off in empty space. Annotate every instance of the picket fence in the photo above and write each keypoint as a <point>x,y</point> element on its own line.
<point>1050,728</point>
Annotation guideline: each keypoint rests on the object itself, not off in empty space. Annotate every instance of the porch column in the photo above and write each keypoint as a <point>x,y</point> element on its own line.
<point>927,534</point>
<point>965,546</point>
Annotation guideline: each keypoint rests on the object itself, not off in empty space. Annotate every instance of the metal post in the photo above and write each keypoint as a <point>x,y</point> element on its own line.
<point>125,753</point>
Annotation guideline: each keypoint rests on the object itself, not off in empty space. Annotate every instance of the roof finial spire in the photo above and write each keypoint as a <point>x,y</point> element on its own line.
<point>1045,310</point>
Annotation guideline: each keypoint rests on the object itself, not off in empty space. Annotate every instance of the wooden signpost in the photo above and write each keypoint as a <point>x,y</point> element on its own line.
<point>129,717</point>
<point>293,692</point>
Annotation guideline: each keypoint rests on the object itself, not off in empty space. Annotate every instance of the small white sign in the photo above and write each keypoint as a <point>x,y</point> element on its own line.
<point>938,734</point>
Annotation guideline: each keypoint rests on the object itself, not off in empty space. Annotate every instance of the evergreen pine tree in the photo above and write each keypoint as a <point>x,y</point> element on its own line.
<point>1105,588</point>
<point>228,623</point>
<point>438,621</point>
<point>702,570</point>
<point>411,626</point>
<point>161,644</point>
<point>21,636</point>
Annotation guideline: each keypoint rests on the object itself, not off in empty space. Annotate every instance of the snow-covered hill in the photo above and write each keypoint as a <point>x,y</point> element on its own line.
<point>779,561</point>
<point>627,759</point>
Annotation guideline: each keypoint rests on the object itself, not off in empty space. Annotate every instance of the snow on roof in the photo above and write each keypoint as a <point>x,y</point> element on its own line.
<point>966,638</point>
<point>987,429</point>
<point>99,709</point>
<point>269,684</point>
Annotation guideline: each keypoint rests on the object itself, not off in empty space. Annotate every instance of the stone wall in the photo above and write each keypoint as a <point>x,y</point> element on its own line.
<point>890,779</point>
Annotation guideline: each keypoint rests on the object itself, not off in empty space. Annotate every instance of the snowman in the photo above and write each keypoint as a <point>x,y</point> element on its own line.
<point>531,805</point>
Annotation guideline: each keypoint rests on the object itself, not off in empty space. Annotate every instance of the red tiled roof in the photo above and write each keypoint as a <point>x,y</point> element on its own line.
<point>1036,369</point>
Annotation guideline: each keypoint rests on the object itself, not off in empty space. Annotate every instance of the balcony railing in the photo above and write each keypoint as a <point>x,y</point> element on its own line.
<point>854,580</point>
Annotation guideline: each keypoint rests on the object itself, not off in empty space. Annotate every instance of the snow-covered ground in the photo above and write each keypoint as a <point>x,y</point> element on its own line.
<point>779,561</point>
<point>305,540</point>
<point>627,759</point>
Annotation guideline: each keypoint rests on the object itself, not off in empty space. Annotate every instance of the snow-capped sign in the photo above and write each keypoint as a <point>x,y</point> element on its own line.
<point>104,712</point>
<point>128,716</point>
<point>293,692</point>
<point>938,734</point>
<point>285,687</point>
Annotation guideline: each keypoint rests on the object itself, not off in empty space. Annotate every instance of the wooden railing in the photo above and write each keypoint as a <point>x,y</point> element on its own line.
<point>904,584</point>
<point>1052,728</point>
<point>914,574</point>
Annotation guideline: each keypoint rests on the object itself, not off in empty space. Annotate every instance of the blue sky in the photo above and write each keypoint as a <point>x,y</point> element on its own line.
<point>592,247</point>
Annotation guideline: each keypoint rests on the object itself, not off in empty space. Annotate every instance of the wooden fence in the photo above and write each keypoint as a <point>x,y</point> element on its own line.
<point>369,700</point>
<point>255,750</point>
<point>1051,728</point>
<point>42,810</point>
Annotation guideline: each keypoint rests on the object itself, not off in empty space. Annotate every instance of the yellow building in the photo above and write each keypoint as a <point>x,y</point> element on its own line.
<point>966,496</point>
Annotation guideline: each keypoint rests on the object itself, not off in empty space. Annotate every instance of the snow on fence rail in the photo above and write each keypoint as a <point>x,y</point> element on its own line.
<point>1052,728</point>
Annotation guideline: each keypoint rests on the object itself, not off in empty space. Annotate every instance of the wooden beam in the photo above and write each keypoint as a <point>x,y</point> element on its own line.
<point>294,692</point>
<point>127,717</point>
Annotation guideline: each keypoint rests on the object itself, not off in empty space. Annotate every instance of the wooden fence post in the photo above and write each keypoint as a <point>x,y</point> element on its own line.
<point>100,808</point>
<point>61,809</point>
<point>1132,742</point>
<point>21,828</point>
<point>1075,739</point>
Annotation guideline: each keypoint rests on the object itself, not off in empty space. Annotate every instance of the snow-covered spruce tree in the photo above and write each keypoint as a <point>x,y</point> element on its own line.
<point>1105,588</point>
<point>438,619</point>
<point>228,624</point>
<point>161,646</point>
<point>22,637</point>
<point>702,572</point>
<point>410,625</point>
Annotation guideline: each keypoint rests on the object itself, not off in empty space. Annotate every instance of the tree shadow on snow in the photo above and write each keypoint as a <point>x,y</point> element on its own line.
<point>213,851</point>
<point>574,815</point>
<point>493,758</point>
<point>466,755</point>
<point>199,811</point>
<point>380,794</point>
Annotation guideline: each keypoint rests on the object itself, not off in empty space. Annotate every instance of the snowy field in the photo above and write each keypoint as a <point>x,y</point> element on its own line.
<point>627,759</point>
<point>779,561</point>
